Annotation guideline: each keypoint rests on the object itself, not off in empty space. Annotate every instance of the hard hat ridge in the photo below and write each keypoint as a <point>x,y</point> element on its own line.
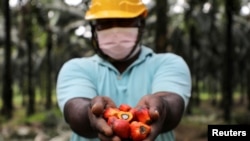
<point>100,9</point>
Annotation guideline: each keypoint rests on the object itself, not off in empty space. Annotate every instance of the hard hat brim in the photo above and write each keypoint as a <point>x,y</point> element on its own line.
<point>113,14</point>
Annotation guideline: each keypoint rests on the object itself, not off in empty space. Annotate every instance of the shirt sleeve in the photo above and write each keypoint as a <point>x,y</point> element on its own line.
<point>74,80</point>
<point>173,75</point>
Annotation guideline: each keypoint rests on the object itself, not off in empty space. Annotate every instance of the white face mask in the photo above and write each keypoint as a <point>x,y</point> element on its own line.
<point>118,42</point>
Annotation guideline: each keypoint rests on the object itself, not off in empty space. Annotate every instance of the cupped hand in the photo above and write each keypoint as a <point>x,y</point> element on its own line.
<point>157,110</point>
<point>98,123</point>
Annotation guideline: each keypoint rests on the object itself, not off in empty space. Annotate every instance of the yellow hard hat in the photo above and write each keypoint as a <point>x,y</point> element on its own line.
<point>100,9</point>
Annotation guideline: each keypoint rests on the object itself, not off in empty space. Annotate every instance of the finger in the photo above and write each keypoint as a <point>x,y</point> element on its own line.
<point>156,107</point>
<point>148,101</point>
<point>143,101</point>
<point>97,108</point>
<point>116,138</point>
<point>110,138</point>
<point>154,113</point>
<point>100,103</point>
<point>103,138</point>
<point>154,132</point>
<point>102,126</point>
<point>108,102</point>
<point>99,124</point>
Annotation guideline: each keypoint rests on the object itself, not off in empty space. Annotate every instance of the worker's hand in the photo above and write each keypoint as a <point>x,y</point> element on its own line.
<point>157,110</point>
<point>98,123</point>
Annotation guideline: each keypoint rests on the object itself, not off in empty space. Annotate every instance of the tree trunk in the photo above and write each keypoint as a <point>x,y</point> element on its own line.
<point>29,42</point>
<point>7,70</point>
<point>31,93</point>
<point>248,88</point>
<point>49,70</point>
<point>161,26</point>
<point>227,87</point>
<point>248,80</point>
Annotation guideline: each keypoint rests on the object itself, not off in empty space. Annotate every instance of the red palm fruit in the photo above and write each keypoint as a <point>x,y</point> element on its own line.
<point>111,120</point>
<point>139,131</point>
<point>120,127</point>
<point>142,115</point>
<point>124,107</point>
<point>110,112</point>
<point>132,111</point>
<point>125,115</point>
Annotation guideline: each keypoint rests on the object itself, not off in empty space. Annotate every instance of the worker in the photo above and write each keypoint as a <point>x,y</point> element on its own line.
<point>122,70</point>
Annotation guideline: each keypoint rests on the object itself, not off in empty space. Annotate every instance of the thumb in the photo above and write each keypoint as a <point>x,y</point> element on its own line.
<point>100,103</point>
<point>97,108</point>
<point>154,113</point>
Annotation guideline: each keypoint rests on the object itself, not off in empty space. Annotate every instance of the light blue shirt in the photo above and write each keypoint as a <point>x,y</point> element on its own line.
<point>92,76</point>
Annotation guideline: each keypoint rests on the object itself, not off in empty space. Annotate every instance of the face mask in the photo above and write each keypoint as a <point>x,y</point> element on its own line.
<point>118,42</point>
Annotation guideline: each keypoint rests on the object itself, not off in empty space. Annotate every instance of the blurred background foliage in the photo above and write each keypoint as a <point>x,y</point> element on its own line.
<point>37,37</point>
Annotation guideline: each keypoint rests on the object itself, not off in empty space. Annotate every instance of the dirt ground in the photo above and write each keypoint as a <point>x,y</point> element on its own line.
<point>186,132</point>
<point>194,127</point>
